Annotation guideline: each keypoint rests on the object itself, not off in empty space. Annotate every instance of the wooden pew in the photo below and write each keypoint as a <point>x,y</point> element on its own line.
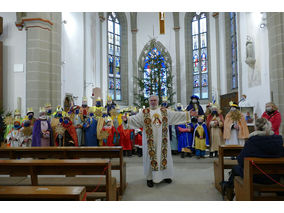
<point>246,190</point>
<point>115,152</point>
<point>47,193</point>
<point>34,168</point>
<point>220,164</point>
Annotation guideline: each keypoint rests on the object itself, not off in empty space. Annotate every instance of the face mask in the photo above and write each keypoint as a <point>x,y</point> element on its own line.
<point>17,126</point>
<point>200,122</point>
<point>84,105</point>
<point>178,108</point>
<point>77,111</point>
<point>66,121</point>
<point>49,111</point>
<point>268,109</point>
<point>194,101</point>
<point>164,104</point>
<point>60,120</point>
<point>30,117</point>
<point>59,115</point>
<point>233,109</point>
<point>214,112</point>
<point>91,114</point>
<point>98,104</point>
<point>42,117</point>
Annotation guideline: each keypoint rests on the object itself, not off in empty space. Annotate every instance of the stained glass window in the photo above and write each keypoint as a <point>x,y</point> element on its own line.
<point>234,58</point>
<point>200,55</point>
<point>114,47</point>
<point>154,57</point>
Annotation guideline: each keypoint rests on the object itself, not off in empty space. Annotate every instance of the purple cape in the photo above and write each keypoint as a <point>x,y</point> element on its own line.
<point>37,133</point>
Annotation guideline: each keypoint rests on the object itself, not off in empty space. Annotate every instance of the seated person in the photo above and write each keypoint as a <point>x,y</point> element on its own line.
<point>262,143</point>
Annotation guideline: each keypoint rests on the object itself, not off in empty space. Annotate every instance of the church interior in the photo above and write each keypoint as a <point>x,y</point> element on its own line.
<point>104,67</point>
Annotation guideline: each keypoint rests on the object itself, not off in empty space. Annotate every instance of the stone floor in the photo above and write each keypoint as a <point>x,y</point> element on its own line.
<point>193,181</point>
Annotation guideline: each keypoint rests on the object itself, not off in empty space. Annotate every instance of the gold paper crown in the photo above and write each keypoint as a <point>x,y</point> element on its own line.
<point>98,99</point>
<point>17,112</point>
<point>231,103</point>
<point>164,98</point>
<point>26,118</point>
<point>42,109</point>
<point>59,108</point>
<point>201,116</point>
<point>109,98</point>
<point>92,109</point>
<point>47,105</point>
<point>84,99</point>
<point>30,109</point>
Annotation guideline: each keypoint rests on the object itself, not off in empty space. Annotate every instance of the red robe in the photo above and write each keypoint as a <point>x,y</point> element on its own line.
<point>72,131</point>
<point>125,137</point>
<point>275,119</point>
<point>138,138</point>
<point>112,133</point>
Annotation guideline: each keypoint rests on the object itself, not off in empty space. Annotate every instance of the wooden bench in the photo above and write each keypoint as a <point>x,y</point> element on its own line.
<point>115,152</point>
<point>246,190</point>
<point>221,164</point>
<point>34,168</point>
<point>47,193</point>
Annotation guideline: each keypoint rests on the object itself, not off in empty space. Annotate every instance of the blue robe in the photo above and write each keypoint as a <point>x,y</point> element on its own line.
<point>91,132</point>
<point>184,138</point>
<point>205,132</point>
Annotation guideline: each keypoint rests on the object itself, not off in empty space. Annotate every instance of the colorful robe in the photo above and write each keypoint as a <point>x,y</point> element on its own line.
<point>157,157</point>
<point>125,137</point>
<point>70,135</point>
<point>275,119</point>
<point>200,143</point>
<point>215,132</point>
<point>113,137</point>
<point>90,127</point>
<point>78,124</point>
<point>185,138</point>
<point>39,138</point>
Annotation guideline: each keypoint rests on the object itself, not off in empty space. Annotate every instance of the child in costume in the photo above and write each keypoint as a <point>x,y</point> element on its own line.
<point>42,132</point>
<point>185,132</point>
<point>112,138</point>
<point>26,133</point>
<point>70,135</point>
<point>125,139</point>
<point>200,138</point>
<point>78,123</point>
<point>14,136</point>
<point>90,129</point>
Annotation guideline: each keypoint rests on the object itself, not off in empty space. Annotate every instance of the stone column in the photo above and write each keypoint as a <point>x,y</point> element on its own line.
<point>177,49</point>
<point>275,25</point>
<point>43,72</point>
<point>134,30</point>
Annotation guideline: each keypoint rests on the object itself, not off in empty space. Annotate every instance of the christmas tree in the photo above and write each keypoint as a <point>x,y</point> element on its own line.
<point>2,126</point>
<point>155,79</point>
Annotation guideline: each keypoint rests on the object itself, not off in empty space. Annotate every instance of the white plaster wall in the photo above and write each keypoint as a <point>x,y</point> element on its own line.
<point>257,94</point>
<point>14,52</point>
<point>130,62</point>
<point>73,55</point>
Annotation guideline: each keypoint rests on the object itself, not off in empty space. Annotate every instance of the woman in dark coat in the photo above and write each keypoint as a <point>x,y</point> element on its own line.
<point>262,143</point>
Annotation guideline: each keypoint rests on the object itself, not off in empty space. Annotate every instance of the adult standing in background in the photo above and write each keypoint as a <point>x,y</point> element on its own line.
<point>273,115</point>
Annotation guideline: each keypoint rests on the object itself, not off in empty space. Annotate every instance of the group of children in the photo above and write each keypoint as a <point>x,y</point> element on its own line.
<point>80,126</point>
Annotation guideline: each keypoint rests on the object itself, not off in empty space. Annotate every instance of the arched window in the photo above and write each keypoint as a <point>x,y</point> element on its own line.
<point>114,46</point>
<point>200,55</point>
<point>233,35</point>
<point>155,74</point>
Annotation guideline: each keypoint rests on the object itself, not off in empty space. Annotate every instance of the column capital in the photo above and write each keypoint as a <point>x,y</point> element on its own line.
<point>215,14</point>
<point>34,23</point>
<point>177,28</point>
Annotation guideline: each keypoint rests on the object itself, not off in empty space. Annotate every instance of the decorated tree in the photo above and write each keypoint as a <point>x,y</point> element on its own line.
<point>155,77</point>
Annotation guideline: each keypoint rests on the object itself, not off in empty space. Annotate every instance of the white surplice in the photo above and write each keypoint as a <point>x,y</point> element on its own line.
<point>137,121</point>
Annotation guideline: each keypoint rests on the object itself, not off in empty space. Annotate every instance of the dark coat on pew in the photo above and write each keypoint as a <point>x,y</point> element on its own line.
<point>270,146</point>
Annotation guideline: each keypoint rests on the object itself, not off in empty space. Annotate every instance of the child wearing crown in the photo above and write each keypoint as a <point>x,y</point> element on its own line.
<point>200,138</point>
<point>112,138</point>
<point>90,128</point>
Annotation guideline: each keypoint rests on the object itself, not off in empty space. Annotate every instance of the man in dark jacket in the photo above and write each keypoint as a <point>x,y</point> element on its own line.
<point>262,143</point>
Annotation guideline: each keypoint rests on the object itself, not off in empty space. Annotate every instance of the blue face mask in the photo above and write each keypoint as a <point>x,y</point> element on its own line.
<point>200,123</point>
<point>49,111</point>
<point>30,117</point>
<point>59,115</point>
<point>164,104</point>
<point>91,114</point>
<point>17,126</point>
<point>77,111</point>
<point>98,104</point>
<point>179,108</point>
<point>60,120</point>
<point>66,121</point>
